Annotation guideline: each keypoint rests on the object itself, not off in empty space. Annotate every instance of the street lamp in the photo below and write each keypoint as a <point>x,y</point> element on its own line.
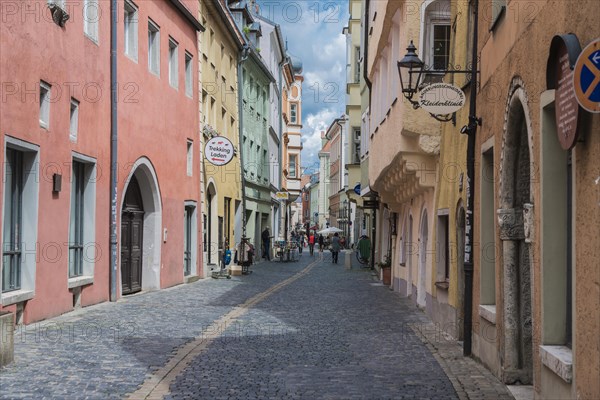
<point>411,65</point>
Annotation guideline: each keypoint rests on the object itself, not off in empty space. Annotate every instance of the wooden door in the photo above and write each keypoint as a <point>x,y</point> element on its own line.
<point>132,228</point>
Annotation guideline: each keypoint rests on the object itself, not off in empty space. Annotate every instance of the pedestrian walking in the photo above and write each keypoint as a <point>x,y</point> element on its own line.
<point>321,242</point>
<point>266,242</point>
<point>335,247</point>
<point>311,243</point>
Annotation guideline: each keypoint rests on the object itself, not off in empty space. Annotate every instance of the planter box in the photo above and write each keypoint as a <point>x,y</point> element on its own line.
<point>7,330</point>
<point>386,276</point>
<point>236,270</point>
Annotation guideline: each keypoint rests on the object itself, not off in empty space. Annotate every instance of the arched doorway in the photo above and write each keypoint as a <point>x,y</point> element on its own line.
<point>132,234</point>
<point>515,197</point>
<point>141,230</point>
<point>422,291</point>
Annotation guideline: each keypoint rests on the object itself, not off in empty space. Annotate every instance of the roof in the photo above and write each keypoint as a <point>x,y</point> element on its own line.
<point>188,15</point>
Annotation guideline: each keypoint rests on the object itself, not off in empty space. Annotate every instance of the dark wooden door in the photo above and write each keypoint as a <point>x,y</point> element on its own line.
<point>132,228</point>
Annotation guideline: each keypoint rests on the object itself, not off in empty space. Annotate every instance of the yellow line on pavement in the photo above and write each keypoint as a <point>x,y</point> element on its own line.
<point>157,386</point>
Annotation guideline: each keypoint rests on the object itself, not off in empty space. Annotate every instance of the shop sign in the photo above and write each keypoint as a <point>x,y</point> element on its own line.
<point>282,195</point>
<point>586,77</point>
<point>442,98</point>
<point>219,151</point>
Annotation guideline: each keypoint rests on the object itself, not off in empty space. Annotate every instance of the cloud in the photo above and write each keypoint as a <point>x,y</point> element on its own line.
<point>313,31</point>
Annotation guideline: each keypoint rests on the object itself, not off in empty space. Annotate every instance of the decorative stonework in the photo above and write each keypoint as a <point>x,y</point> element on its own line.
<point>528,222</point>
<point>511,224</point>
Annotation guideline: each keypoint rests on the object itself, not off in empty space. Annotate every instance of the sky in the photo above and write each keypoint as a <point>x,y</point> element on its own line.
<point>313,30</point>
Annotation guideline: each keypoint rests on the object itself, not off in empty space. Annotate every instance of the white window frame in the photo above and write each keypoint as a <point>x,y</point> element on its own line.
<point>293,113</point>
<point>74,119</point>
<point>130,24</point>
<point>90,251</point>
<point>292,172</point>
<point>173,63</point>
<point>438,14</point>
<point>45,92</point>
<point>189,75</point>
<point>153,48</point>
<point>190,157</point>
<point>91,19</point>
<point>30,210</point>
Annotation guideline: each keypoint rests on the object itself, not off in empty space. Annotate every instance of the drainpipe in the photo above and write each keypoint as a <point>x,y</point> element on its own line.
<point>280,102</point>
<point>243,57</point>
<point>472,129</point>
<point>113,150</point>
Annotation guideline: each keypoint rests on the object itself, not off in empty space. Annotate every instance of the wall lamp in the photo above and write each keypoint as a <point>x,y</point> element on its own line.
<point>411,65</point>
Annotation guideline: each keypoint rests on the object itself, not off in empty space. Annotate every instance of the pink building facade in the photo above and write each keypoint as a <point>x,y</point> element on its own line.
<point>55,130</point>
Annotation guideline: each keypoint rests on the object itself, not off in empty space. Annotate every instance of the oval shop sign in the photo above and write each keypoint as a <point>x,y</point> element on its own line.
<point>442,98</point>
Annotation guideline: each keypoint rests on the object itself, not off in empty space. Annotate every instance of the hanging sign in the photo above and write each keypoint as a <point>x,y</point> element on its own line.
<point>567,108</point>
<point>219,151</point>
<point>282,195</point>
<point>586,77</point>
<point>442,98</point>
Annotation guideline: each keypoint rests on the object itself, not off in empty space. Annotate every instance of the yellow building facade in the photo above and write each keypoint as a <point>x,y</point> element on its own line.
<point>220,47</point>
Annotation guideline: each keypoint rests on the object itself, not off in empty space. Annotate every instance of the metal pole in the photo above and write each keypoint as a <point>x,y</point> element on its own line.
<point>113,150</point>
<point>473,122</point>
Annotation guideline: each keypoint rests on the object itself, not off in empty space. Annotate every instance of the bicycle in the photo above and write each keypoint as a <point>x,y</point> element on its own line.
<point>363,261</point>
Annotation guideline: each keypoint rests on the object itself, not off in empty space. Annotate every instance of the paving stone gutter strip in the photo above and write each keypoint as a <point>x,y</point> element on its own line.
<point>157,385</point>
<point>470,379</point>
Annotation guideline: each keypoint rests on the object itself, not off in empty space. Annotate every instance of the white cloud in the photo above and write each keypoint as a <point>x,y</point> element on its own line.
<point>311,135</point>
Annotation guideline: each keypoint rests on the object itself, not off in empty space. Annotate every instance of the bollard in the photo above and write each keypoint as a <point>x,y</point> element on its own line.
<point>348,259</point>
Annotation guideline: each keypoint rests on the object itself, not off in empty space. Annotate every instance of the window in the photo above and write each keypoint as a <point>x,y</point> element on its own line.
<point>76,222</point>
<point>190,157</point>
<point>131,30</point>
<point>292,169</point>
<point>74,119</point>
<point>13,204</point>
<point>356,64</point>
<point>441,46</point>
<point>44,105</point>
<point>443,255</point>
<point>190,238</point>
<point>187,241</point>
<point>189,83</point>
<point>293,113</point>
<point>153,48</point>
<point>173,63</point>
<point>498,8</point>
<point>82,220</point>
<point>356,139</point>
<point>488,230</point>
<point>20,221</point>
<point>436,39</point>
<point>265,165</point>
<point>91,17</point>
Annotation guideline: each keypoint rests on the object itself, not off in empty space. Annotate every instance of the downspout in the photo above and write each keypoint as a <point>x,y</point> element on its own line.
<point>243,57</point>
<point>113,150</point>
<point>280,102</point>
<point>366,58</point>
<point>471,131</point>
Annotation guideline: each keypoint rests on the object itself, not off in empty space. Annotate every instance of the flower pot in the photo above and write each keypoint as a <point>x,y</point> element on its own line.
<point>386,275</point>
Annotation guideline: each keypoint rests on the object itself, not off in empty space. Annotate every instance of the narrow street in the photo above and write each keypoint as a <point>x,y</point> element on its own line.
<point>303,330</point>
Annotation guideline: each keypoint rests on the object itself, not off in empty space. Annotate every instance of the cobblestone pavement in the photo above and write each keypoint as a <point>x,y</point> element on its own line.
<point>331,333</point>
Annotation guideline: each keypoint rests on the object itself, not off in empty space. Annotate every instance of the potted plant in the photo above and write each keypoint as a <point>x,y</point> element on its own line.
<point>386,270</point>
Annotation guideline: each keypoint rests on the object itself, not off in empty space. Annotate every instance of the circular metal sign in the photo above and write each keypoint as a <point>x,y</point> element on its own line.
<point>586,77</point>
<point>442,98</point>
<point>219,151</point>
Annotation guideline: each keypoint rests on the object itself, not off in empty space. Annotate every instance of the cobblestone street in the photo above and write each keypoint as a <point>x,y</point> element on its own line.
<point>304,330</point>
